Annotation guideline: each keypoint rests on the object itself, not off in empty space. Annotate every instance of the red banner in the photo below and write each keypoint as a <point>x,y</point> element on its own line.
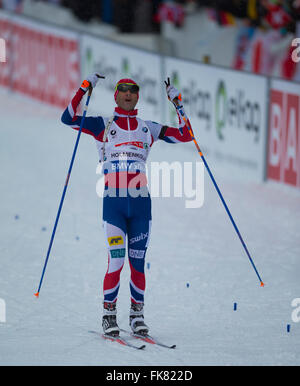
<point>41,64</point>
<point>5,32</point>
<point>283,162</point>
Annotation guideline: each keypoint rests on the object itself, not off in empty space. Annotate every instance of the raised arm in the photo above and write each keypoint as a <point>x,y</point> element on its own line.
<point>167,133</point>
<point>92,125</point>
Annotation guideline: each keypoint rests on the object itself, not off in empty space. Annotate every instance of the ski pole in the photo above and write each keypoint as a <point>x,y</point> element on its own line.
<point>64,190</point>
<point>186,121</point>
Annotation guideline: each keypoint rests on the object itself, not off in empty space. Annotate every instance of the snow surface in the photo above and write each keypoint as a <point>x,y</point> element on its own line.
<point>188,246</point>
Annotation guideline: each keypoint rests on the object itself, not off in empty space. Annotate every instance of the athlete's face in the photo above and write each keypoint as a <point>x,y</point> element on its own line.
<point>127,100</point>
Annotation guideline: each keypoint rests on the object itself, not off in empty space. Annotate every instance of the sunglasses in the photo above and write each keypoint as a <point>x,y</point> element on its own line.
<point>123,87</point>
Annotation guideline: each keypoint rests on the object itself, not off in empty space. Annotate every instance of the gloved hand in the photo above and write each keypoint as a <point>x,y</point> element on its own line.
<point>172,92</point>
<point>90,80</point>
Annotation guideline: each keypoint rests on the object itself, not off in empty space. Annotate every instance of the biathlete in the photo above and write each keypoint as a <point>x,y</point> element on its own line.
<point>124,142</point>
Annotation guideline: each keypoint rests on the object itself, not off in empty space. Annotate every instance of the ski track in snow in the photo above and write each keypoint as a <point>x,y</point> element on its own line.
<point>194,246</point>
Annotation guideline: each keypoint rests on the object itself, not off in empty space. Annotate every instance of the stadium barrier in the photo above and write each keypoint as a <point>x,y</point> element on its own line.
<point>248,125</point>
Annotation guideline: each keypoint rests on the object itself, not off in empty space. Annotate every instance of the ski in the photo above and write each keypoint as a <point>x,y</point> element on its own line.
<point>120,340</point>
<point>149,339</point>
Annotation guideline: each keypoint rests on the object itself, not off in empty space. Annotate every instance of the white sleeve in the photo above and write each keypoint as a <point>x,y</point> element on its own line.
<point>155,129</point>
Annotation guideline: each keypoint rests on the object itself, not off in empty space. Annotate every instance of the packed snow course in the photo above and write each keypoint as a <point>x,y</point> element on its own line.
<point>196,268</point>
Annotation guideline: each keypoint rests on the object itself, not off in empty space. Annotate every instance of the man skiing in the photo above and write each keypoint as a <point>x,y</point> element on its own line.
<point>124,142</point>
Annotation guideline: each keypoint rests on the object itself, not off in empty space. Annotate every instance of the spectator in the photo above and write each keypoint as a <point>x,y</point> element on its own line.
<point>84,10</point>
<point>123,14</point>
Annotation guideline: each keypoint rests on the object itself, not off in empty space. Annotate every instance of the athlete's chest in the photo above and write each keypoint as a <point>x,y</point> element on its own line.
<point>134,135</point>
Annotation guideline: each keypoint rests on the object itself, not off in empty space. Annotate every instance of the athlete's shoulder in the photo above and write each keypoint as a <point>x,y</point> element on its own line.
<point>153,123</point>
<point>155,129</point>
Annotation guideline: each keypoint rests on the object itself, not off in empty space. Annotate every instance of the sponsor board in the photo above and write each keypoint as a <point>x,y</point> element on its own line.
<point>227,110</point>
<point>283,158</point>
<point>42,62</point>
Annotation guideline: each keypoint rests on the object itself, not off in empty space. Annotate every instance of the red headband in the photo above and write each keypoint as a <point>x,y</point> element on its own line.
<point>126,80</point>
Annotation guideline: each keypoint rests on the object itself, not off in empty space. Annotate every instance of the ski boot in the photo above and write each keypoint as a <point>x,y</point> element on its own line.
<point>109,319</point>
<point>136,319</point>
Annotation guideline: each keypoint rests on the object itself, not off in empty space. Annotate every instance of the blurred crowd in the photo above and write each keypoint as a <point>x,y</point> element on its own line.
<point>268,14</point>
<point>127,15</point>
<point>146,15</point>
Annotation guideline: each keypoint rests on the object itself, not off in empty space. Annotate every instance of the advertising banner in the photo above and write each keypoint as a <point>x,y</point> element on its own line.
<point>227,110</point>
<point>283,161</point>
<point>42,62</point>
<point>116,61</point>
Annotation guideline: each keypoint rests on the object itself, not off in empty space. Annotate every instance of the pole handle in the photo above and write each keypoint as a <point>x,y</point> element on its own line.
<point>90,86</point>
